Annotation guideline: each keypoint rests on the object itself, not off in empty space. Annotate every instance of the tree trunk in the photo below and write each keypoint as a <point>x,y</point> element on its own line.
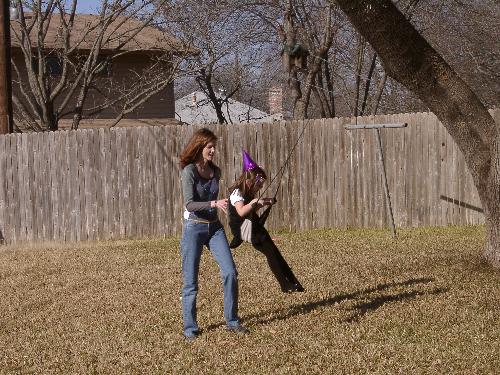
<point>204,80</point>
<point>290,39</point>
<point>78,115</point>
<point>329,87</point>
<point>492,208</point>
<point>302,103</point>
<point>408,58</point>
<point>51,120</point>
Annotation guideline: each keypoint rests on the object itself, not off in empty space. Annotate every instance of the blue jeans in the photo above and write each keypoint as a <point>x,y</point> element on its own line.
<point>212,235</point>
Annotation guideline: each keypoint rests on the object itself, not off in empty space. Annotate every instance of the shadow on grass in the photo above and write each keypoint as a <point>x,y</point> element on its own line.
<point>360,309</point>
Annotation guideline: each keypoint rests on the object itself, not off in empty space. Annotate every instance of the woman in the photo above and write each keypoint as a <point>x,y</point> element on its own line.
<point>200,188</point>
<point>246,225</point>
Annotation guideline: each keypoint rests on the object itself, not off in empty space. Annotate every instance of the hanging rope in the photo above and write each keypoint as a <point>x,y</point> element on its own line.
<point>265,214</point>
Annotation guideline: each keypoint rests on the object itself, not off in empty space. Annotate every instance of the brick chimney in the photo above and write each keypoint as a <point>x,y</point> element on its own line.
<point>275,100</point>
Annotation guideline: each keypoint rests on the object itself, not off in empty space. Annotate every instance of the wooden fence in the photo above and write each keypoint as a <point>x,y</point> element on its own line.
<point>124,183</point>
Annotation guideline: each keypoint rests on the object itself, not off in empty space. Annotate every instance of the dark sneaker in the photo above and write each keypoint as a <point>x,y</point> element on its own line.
<point>192,337</point>
<point>298,288</point>
<point>240,330</point>
<point>293,288</point>
<point>235,242</point>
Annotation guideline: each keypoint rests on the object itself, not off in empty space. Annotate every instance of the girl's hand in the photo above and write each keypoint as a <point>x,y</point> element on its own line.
<point>254,203</point>
<point>268,201</point>
<point>258,203</point>
<point>221,203</point>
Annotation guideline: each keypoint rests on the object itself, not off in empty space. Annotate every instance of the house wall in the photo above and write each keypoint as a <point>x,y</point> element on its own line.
<point>123,71</point>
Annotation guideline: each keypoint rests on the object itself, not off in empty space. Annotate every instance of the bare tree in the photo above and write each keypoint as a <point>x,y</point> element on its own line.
<point>322,57</point>
<point>243,61</point>
<point>467,35</point>
<point>231,43</point>
<point>472,50</point>
<point>307,33</point>
<point>66,60</point>
<point>409,58</point>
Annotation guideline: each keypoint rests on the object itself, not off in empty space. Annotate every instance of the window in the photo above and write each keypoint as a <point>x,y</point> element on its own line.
<point>104,67</point>
<point>53,65</point>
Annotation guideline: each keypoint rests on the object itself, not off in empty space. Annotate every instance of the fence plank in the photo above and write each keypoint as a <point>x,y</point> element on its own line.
<point>161,162</point>
<point>434,164</point>
<point>10,149</point>
<point>75,186</point>
<point>17,187</point>
<point>173,215</point>
<point>54,224</point>
<point>341,158</point>
<point>114,195</point>
<point>123,197</point>
<point>371,178</point>
<point>24,187</point>
<point>3,188</point>
<point>284,193</point>
<point>58,184</point>
<point>89,184</point>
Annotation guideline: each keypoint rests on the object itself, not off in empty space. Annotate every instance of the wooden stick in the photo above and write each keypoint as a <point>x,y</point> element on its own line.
<point>375,126</point>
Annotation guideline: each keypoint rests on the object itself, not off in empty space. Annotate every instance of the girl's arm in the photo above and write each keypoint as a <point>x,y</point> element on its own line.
<point>245,209</point>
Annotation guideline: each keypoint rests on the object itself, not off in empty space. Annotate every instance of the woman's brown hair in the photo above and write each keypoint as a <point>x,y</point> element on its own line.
<point>195,146</point>
<point>240,183</point>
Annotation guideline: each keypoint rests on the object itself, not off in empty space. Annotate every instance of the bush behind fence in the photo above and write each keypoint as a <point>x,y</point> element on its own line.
<point>124,182</point>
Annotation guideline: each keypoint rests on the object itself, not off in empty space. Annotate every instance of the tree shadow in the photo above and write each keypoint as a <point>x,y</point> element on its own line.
<point>461,203</point>
<point>364,308</point>
<point>361,309</point>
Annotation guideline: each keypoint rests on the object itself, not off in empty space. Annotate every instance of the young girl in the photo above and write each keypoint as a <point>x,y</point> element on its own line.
<point>246,225</point>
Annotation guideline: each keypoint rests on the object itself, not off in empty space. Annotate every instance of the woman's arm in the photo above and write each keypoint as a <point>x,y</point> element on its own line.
<point>188,182</point>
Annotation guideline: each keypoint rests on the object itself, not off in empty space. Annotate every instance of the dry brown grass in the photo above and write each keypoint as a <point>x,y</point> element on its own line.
<point>424,304</point>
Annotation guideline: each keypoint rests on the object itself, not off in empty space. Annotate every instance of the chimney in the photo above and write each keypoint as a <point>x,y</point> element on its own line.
<point>275,100</point>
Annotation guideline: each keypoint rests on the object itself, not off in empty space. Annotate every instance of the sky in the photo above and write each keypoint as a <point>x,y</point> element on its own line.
<point>88,6</point>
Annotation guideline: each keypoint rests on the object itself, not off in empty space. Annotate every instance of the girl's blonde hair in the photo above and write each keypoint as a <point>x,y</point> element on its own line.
<point>240,183</point>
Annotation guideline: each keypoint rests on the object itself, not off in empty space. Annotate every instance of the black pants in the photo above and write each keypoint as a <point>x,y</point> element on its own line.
<point>262,241</point>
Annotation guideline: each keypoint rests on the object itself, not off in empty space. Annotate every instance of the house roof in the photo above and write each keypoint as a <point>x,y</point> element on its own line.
<point>85,30</point>
<point>196,108</point>
<point>94,123</point>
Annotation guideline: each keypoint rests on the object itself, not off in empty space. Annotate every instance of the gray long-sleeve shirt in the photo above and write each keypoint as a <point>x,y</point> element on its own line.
<point>198,192</point>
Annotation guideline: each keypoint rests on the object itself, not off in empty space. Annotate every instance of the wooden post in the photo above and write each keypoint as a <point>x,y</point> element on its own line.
<point>5,74</point>
<point>377,127</point>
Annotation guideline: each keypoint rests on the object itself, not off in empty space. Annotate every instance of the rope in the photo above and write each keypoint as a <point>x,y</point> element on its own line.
<point>282,168</point>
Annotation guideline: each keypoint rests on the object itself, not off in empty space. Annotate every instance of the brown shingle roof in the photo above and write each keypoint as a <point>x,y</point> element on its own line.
<point>85,30</point>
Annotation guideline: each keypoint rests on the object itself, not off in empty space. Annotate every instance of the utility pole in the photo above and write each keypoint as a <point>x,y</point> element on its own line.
<point>5,70</point>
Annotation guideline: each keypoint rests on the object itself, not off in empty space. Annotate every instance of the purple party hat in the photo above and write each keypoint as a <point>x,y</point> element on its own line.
<point>248,163</point>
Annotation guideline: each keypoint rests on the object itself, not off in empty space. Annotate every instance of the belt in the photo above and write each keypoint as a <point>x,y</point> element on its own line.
<point>201,221</point>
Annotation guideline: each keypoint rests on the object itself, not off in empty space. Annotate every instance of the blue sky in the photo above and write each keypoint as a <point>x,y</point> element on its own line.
<point>88,6</point>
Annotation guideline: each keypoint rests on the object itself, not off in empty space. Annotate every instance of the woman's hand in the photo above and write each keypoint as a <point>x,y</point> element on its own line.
<point>221,203</point>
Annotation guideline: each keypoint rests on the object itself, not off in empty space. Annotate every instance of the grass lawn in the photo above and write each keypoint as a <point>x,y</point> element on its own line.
<point>423,304</point>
